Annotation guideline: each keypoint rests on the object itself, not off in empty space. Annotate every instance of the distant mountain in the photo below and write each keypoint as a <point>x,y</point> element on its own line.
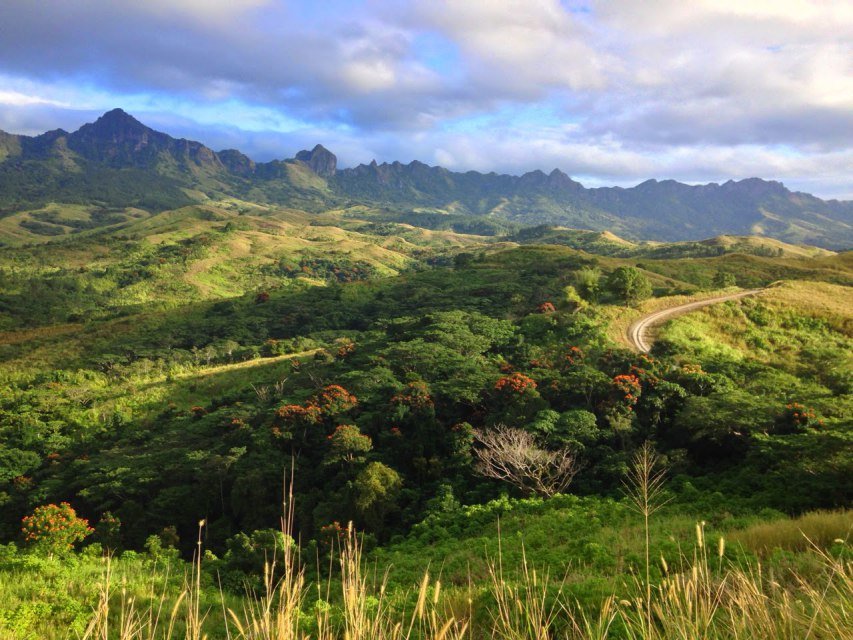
<point>667,210</point>
<point>117,161</point>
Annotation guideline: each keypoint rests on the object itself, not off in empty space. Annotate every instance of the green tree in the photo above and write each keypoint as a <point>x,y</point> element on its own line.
<point>588,283</point>
<point>348,445</point>
<point>722,280</point>
<point>629,284</point>
<point>377,488</point>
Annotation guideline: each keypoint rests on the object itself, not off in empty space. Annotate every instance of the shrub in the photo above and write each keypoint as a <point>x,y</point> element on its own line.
<point>796,418</point>
<point>53,529</point>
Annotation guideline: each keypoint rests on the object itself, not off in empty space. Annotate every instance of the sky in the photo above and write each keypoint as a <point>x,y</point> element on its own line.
<point>612,92</point>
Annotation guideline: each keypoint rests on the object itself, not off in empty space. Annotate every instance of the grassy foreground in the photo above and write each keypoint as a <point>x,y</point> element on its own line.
<point>754,578</point>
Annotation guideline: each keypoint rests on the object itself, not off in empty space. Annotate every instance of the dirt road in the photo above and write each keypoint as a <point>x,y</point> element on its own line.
<point>638,331</point>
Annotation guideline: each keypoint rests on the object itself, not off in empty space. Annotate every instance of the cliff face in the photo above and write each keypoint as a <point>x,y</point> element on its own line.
<point>322,161</point>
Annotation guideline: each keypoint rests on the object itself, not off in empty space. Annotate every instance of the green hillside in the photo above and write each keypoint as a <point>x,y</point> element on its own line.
<point>160,368</point>
<point>117,163</point>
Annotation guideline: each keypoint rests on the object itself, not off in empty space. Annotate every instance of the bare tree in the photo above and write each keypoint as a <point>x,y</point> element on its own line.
<point>513,455</point>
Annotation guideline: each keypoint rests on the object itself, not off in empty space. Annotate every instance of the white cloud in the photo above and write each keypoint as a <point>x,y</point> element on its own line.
<point>626,90</point>
<point>17,99</point>
<point>525,46</point>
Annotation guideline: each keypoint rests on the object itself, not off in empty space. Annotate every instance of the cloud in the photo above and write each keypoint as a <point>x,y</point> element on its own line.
<point>18,99</point>
<point>614,89</point>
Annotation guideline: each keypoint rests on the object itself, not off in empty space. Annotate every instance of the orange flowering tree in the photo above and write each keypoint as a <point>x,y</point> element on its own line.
<point>293,417</point>
<point>334,399</point>
<point>796,418</point>
<point>415,395</point>
<point>515,383</point>
<point>516,399</point>
<point>574,356</point>
<point>626,389</point>
<point>53,529</point>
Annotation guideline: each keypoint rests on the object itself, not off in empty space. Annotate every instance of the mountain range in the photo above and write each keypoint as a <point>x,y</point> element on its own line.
<point>117,162</point>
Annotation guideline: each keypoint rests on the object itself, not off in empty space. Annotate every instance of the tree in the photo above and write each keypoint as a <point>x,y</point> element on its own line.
<point>348,445</point>
<point>108,531</point>
<point>723,280</point>
<point>629,284</point>
<point>53,529</point>
<point>513,455</point>
<point>588,283</point>
<point>377,487</point>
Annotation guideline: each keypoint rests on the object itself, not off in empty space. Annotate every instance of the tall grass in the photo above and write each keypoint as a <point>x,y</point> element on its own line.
<point>705,597</point>
<point>279,612</point>
<point>821,528</point>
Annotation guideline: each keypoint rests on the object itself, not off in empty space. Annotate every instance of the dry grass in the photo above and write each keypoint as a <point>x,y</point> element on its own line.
<point>818,528</point>
<point>707,598</point>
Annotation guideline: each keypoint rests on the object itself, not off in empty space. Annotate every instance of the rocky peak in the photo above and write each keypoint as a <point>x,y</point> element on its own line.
<point>237,162</point>
<point>114,126</point>
<point>322,161</point>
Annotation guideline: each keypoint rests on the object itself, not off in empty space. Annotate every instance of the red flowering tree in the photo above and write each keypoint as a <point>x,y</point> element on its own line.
<point>335,399</point>
<point>515,383</point>
<point>547,307</point>
<point>297,413</point>
<point>796,418</point>
<point>415,395</point>
<point>573,357</point>
<point>293,417</point>
<point>53,529</point>
<point>345,347</point>
<point>516,400</point>
<point>625,390</point>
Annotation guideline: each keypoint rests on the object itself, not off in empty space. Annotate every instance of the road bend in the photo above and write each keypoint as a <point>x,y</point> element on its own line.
<point>638,332</point>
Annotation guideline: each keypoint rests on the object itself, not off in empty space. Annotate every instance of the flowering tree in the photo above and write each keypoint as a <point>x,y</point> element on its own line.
<point>796,418</point>
<point>626,389</point>
<point>515,383</point>
<point>334,399</point>
<point>53,529</point>
<point>415,395</point>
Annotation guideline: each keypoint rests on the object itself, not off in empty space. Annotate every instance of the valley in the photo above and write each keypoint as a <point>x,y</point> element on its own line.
<point>228,367</point>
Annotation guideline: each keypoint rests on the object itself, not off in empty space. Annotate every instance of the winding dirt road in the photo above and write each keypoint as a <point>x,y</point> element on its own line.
<point>638,331</point>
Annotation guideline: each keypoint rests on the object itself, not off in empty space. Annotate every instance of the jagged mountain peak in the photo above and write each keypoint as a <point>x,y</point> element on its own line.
<point>660,210</point>
<point>113,126</point>
<point>322,161</point>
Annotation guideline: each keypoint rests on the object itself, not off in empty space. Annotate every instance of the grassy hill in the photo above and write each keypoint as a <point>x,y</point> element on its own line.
<point>176,366</point>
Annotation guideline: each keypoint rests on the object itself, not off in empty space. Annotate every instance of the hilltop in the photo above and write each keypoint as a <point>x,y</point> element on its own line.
<point>117,166</point>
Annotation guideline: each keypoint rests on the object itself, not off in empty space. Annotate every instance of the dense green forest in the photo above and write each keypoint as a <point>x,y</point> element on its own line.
<point>203,363</point>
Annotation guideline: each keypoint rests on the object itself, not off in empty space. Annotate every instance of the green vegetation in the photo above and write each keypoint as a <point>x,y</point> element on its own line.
<point>161,370</point>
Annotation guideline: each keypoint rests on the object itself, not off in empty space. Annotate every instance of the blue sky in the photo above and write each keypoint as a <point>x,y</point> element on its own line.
<point>610,92</point>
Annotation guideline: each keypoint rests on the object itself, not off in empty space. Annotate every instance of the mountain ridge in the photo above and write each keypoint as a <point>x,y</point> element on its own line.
<point>108,161</point>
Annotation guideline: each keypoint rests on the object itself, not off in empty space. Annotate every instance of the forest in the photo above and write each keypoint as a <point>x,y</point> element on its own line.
<point>244,401</point>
